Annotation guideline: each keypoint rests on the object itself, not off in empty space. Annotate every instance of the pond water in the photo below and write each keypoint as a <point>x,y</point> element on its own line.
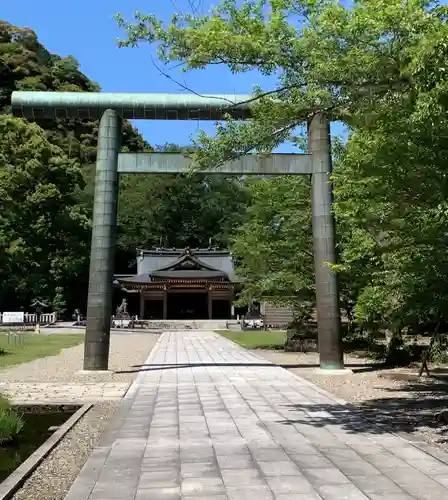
<point>35,432</point>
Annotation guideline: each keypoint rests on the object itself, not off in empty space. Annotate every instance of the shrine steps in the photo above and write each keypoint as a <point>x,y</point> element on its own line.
<point>199,324</point>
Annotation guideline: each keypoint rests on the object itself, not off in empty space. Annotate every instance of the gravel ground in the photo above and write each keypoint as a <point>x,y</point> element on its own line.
<point>53,478</point>
<point>395,397</point>
<point>125,351</point>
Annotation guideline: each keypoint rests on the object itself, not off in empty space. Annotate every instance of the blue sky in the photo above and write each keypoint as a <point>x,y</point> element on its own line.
<point>86,30</point>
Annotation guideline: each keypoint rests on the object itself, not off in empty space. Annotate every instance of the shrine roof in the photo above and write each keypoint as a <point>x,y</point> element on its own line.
<point>160,264</point>
<point>177,263</point>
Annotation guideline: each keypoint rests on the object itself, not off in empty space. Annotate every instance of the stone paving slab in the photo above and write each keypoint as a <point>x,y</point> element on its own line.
<point>206,419</point>
<point>52,392</point>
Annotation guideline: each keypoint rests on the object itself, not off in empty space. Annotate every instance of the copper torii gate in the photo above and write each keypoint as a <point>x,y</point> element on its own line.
<point>111,109</point>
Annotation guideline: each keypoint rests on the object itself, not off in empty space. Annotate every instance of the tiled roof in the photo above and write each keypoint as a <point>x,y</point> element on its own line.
<point>149,261</point>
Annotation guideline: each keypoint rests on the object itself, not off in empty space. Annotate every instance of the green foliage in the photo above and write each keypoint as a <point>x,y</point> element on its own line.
<point>175,210</point>
<point>379,66</point>
<point>301,332</point>
<point>4,402</point>
<point>354,339</point>
<point>352,63</point>
<point>43,232</point>
<point>439,352</point>
<point>47,185</point>
<point>59,301</point>
<point>396,352</point>
<point>180,210</point>
<point>273,246</point>
<point>11,423</point>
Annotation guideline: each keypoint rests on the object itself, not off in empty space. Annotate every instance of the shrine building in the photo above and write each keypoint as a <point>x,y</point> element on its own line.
<point>182,284</point>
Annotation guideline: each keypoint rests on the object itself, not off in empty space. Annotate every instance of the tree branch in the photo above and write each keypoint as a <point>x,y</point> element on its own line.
<point>248,101</point>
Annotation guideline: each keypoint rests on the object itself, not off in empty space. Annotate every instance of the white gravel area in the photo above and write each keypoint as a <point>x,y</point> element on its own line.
<point>126,350</point>
<point>57,379</point>
<point>395,397</point>
<point>54,476</point>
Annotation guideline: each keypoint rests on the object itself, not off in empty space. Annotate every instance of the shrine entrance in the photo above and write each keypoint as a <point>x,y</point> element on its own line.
<point>187,306</point>
<point>111,109</point>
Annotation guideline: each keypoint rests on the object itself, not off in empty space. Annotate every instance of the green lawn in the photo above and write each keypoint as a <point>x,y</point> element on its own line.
<point>34,346</point>
<point>256,339</point>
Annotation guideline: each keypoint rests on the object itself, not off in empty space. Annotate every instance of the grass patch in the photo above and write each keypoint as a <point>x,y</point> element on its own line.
<point>4,402</point>
<point>11,423</point>
<point>256,339</point>
<point>34,347</point>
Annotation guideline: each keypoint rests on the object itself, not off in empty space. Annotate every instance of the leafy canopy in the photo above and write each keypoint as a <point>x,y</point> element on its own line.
<point>351,63</point>
<point>379,66</point>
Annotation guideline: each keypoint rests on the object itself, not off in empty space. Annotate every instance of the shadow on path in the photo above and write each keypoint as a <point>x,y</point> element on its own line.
<point>356,367</point>
<point>410,409</point>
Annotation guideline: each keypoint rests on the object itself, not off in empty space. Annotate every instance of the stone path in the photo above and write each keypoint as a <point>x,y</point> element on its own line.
<point>209,420</point>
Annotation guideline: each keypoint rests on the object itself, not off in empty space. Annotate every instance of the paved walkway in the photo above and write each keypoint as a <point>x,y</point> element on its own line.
<point>209,420</point>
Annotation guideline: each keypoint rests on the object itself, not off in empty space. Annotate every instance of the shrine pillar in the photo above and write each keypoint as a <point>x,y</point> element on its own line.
<point>99,299</point>
<point>324,242</point>
<point>142,306</point>
<point>210,302</point>
<point>165,303</point>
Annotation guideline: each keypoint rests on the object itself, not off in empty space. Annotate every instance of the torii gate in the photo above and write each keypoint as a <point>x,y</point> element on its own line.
<point>111,109</point>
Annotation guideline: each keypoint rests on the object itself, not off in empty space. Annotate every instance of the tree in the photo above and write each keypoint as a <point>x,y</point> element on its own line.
<point>391,186</point>
<point>179,209</point>
<point>25,64</point>
<point>379,66</point>
<point>43,232</point>
<point>391,189</point>
<point>351,63</point>
<point>273,246</point>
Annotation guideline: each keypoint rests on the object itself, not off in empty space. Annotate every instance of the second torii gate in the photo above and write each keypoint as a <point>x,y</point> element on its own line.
<point>111,109</point>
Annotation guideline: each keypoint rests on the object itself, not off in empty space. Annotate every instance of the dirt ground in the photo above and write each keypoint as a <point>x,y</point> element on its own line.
<point>394,397</point>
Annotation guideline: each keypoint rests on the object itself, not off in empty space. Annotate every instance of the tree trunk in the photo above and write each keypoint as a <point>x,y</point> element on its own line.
<point>435,334</point>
